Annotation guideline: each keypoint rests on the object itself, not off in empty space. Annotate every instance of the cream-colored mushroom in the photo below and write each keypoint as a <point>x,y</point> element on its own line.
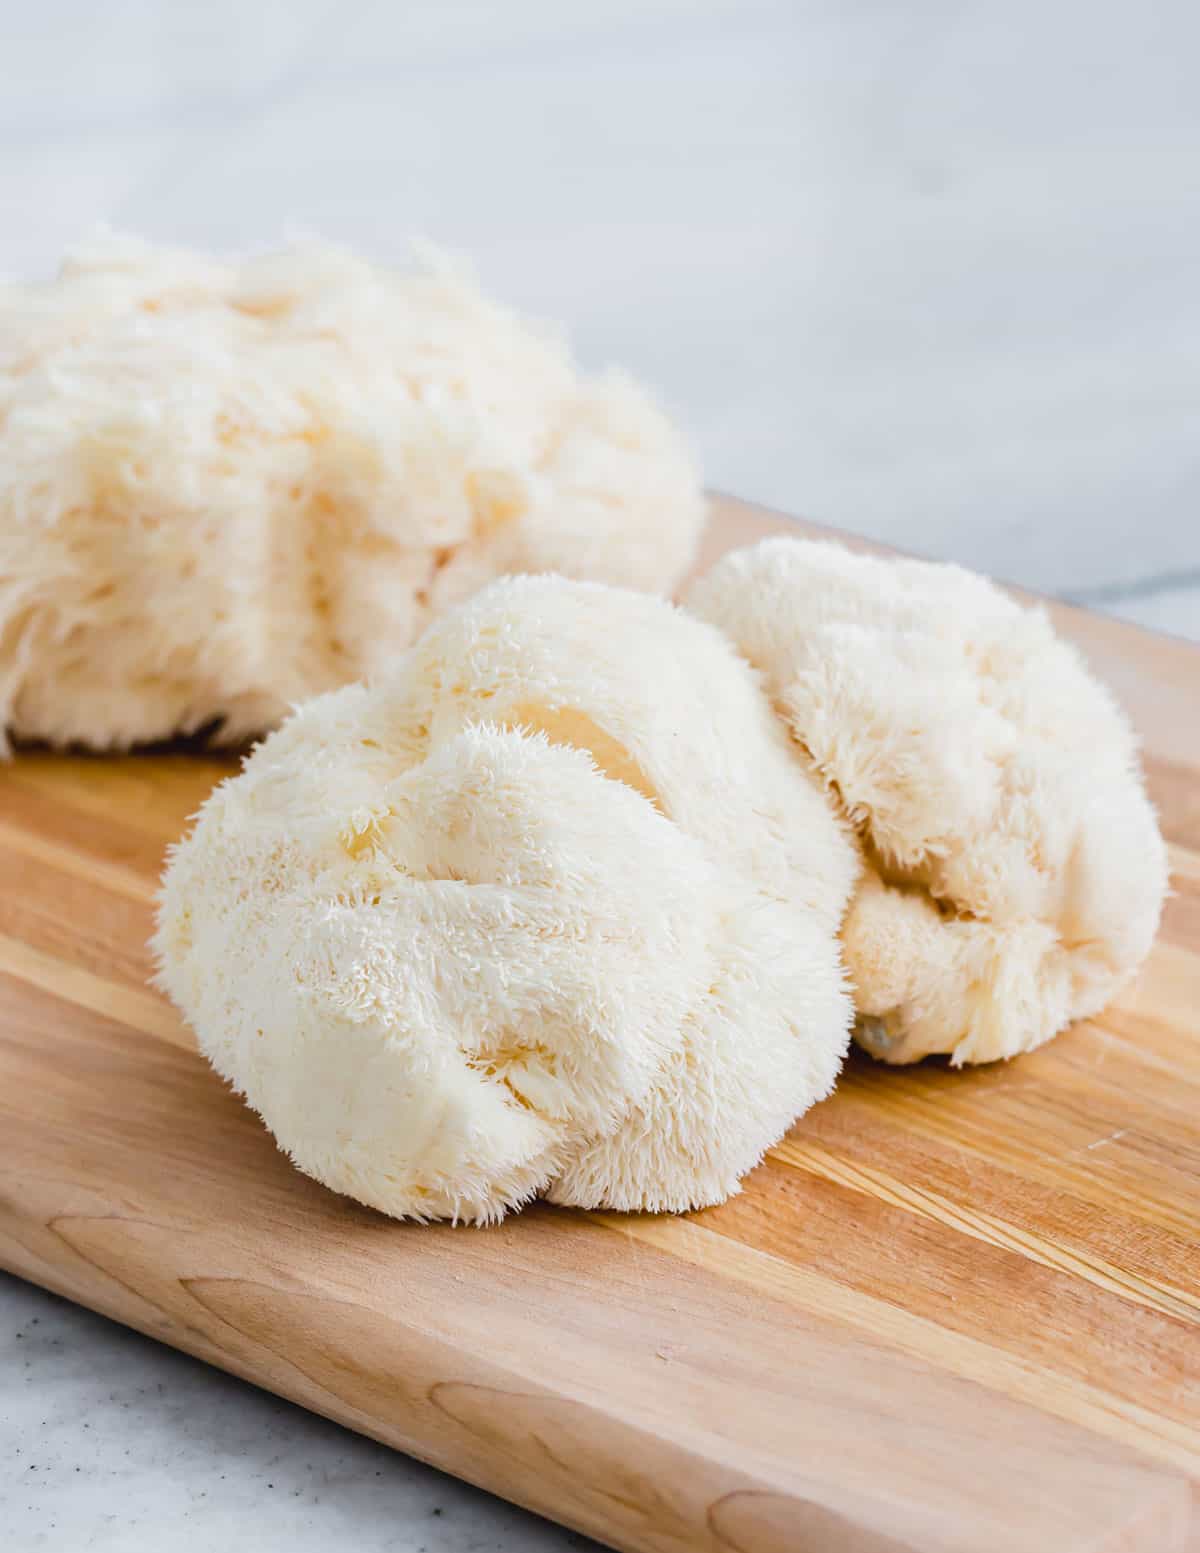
<point>227,487</point>
<point>552,909</point>
<point>1014,871</point>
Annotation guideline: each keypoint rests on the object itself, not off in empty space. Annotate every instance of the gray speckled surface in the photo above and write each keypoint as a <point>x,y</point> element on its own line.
<point>111,1441</point>
<point>924,271</point>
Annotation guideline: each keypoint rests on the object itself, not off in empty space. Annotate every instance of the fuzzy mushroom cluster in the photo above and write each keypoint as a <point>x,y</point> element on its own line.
<point>227,487</point>
<point>552,911</point>
<point>1014,872</point>
<point>583,898</point>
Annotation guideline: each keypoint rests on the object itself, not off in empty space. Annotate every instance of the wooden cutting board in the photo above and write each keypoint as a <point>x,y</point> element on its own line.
<point>952,1311</point>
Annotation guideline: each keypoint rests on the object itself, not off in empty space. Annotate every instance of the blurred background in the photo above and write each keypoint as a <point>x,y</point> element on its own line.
<point>926,270</point>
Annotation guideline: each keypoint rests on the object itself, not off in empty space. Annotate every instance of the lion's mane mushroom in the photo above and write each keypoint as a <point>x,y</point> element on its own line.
<point>227,487</point>
<point>1014,868</point>
<point>552,910</point>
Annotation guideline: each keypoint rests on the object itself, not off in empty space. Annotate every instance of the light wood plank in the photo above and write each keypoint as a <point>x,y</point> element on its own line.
<point>951,1311</point>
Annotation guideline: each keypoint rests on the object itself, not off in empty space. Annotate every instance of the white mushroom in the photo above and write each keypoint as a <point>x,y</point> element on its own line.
<point>1014,868</point>
<point>552,909</point>
<point>227,487</point>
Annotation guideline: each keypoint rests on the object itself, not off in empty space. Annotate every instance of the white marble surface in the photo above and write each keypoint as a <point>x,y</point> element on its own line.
<point>928,271</point>
<point>110,1441</point>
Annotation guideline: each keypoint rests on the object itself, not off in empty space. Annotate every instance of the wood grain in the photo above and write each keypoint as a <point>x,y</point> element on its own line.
<point>951,1311</point>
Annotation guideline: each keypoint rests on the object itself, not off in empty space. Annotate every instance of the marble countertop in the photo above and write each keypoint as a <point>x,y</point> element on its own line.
<point>111,1441</point>
<point>925,272</point>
